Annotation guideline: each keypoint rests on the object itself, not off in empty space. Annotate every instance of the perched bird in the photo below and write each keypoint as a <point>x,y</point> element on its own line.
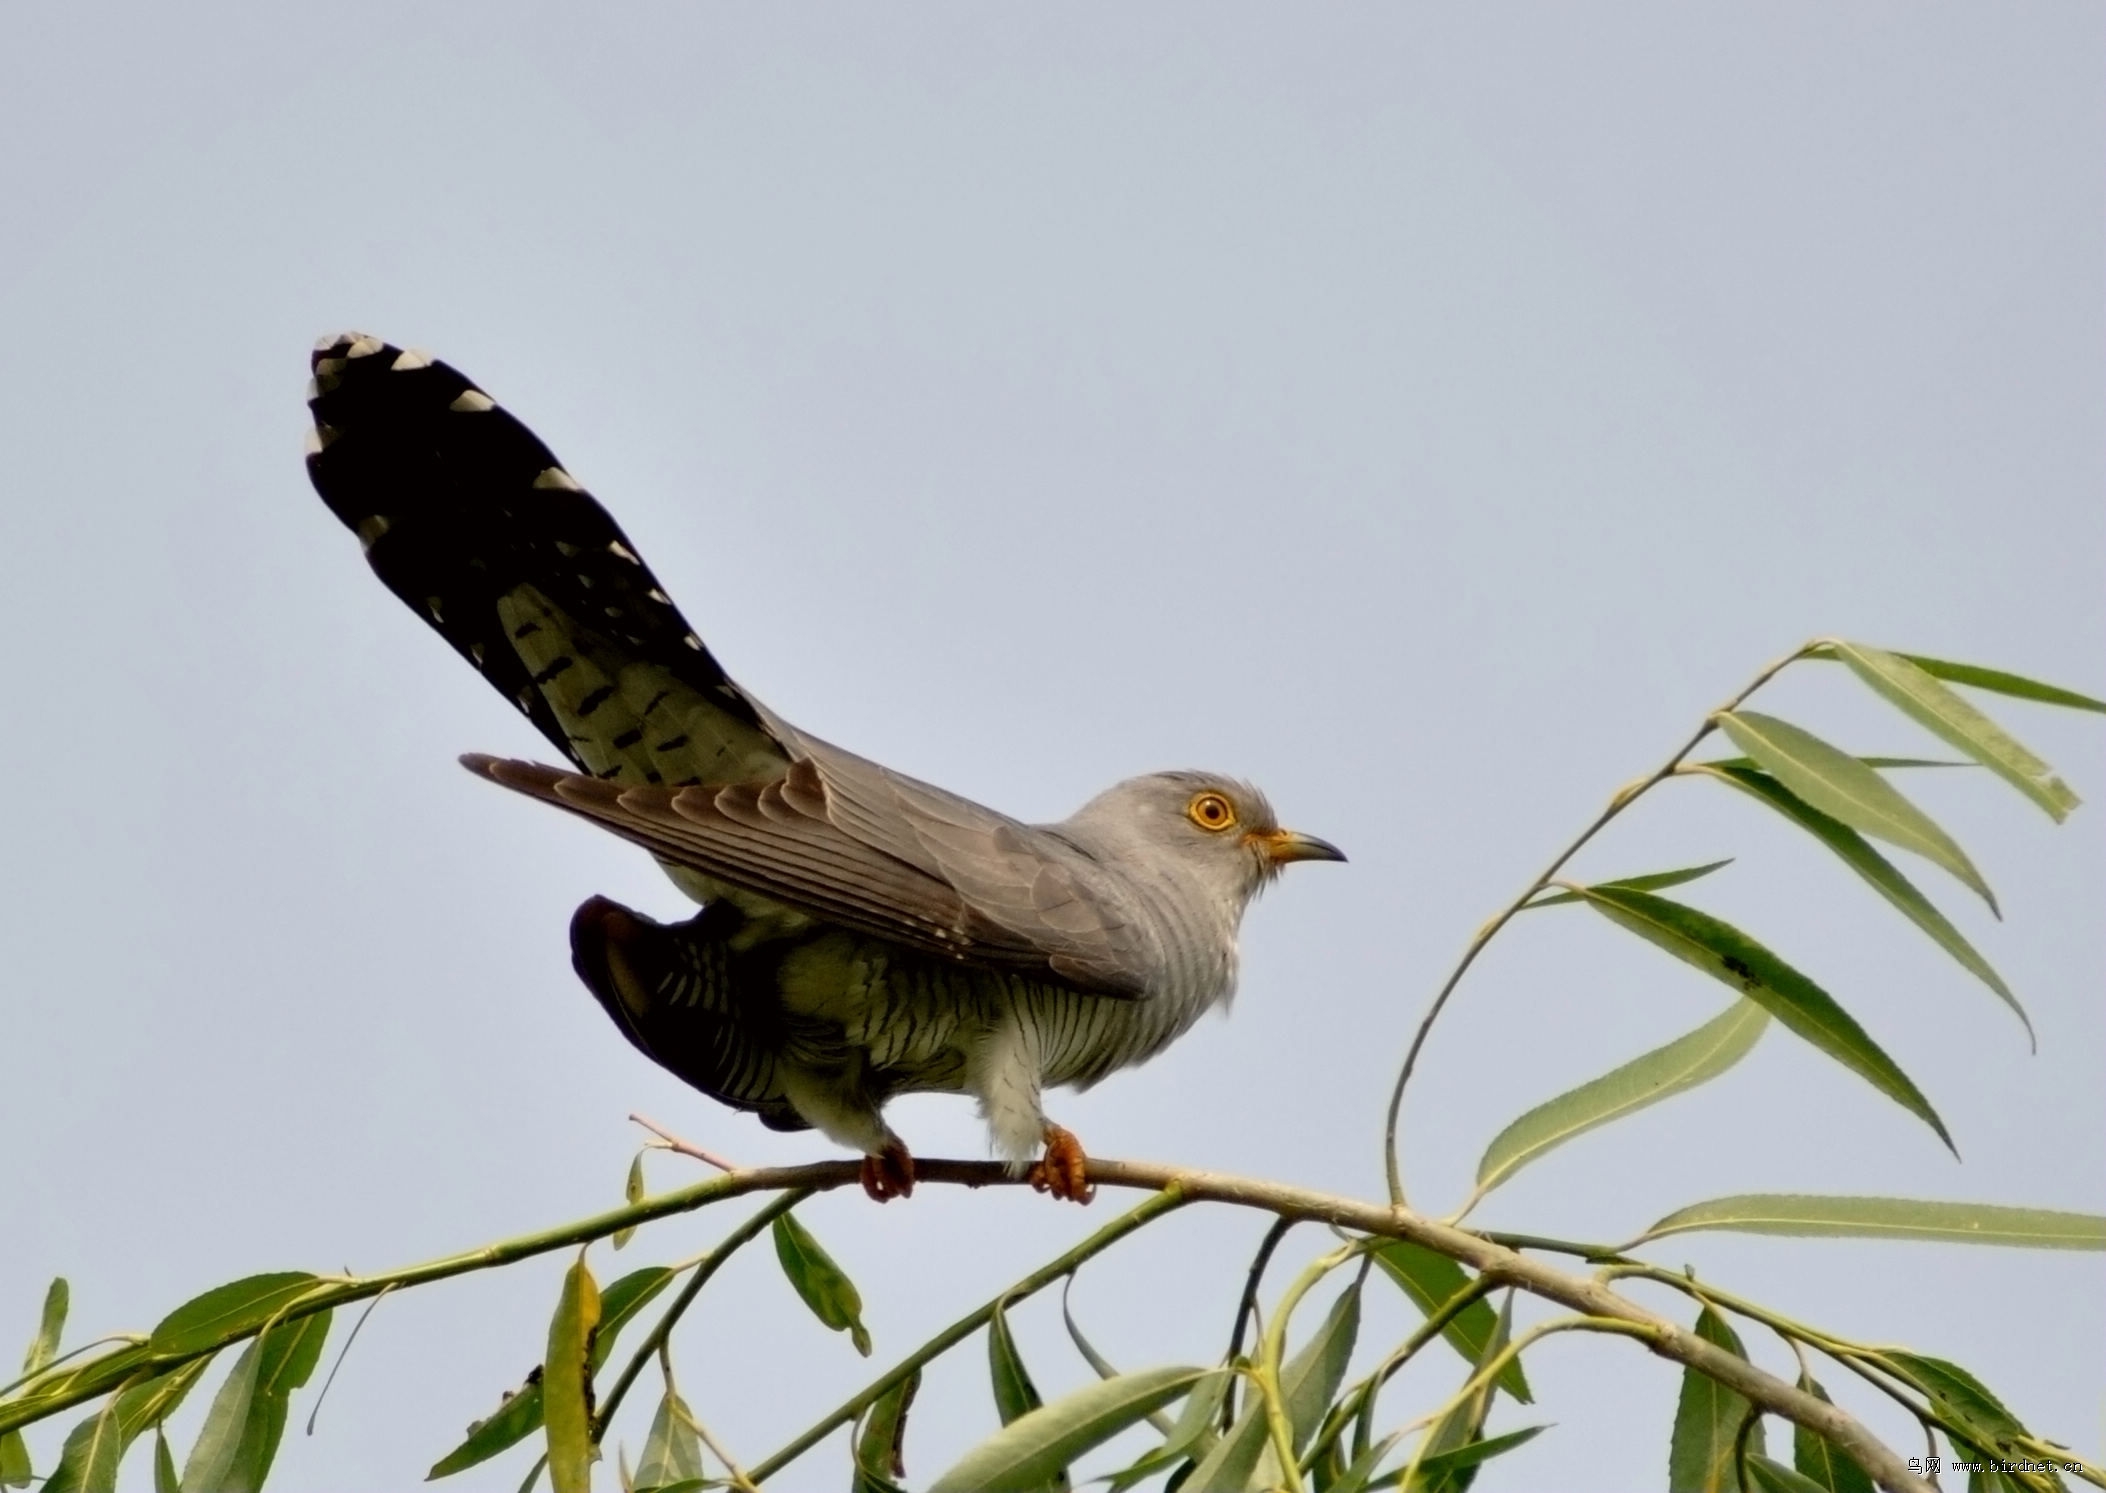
<point>862,934</point>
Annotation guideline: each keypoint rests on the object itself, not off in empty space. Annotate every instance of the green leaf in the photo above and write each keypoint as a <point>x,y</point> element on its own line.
<point>16,1470</point>
<point>1359,1477</point>
<point>1432,1280</point>
<point>1681,1065</point>
<point>1652,881</point>
<point>1014,1393</point>
<point>1309,1380</point>
<point>632,1193</point>
<point>1808,1216</point>
<point>1916,693</point>
<point>1730,956</point>
<point>2017,686</point>
<point>1461,1426</point>
<point>1191,1435</point>
<point>1765,1476</point>
<point>1960,1397</point>
<point>881,1453</point>
<point>1824,1464</point>
<point>518,1415</point>
<point>566,1387</point>
<point>1844,788</point>
<point>227,1312</point>
<point>211,1459</point>
<point>1029,1450</point>
<point>88,1461</point>
<point>1879,872</point>
<point>288,1354</point>
<point>1882,763</point>
<point>822,1285</point>
<point>1707,1421</point>
<point>1445,1465</point>
<point>93,1451</point>
<point>50,1325</point>
<point>165,1479</point>
<point>672,1450</point>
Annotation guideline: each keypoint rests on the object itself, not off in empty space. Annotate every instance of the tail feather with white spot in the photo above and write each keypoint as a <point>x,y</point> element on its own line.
<point>473,522</point>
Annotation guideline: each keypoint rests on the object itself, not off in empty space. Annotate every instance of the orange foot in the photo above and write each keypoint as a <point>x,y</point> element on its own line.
<point>890,1173</point>
<point>1065,1170</point>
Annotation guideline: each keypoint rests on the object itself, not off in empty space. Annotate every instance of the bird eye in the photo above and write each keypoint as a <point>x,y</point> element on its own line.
<point>1211,811</point>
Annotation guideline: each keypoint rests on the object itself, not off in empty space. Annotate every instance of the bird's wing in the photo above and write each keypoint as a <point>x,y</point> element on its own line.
<point>1023,880</point>
<point>471,520</point>
<point>778,838</point>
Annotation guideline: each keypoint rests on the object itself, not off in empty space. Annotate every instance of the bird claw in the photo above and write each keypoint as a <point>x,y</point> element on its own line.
<point>889,1174</point>
<point>1064,1171</point>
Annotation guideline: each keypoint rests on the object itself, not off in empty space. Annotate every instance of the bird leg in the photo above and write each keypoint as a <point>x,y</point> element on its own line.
<point>1064,1169</point>
<point>889,1173</point>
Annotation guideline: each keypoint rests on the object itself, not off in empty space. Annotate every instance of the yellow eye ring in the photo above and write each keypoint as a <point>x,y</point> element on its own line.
<point>1211,811</point>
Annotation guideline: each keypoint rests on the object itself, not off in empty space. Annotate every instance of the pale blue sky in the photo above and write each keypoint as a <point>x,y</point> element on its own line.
<point>1427,414</point>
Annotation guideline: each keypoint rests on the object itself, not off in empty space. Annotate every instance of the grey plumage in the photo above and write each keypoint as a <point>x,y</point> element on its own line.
<point>863,934</point>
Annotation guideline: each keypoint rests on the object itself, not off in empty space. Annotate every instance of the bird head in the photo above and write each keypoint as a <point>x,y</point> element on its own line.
<point>1196,825</point>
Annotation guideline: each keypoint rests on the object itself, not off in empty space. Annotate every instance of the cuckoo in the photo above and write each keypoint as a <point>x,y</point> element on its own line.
<point>861,934</point>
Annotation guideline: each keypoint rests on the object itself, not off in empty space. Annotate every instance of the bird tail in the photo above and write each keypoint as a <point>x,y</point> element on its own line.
<point>670,989</point>
<point>472,521</point>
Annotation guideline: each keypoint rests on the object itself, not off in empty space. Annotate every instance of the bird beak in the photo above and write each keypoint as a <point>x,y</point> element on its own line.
<point>1283,845</point>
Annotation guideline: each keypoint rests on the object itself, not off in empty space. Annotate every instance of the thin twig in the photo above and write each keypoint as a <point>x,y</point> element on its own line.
<point>671,1142</point>
<point>1622,799</point>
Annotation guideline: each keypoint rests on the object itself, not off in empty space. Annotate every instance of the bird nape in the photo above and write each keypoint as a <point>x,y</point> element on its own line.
<point>861,934</point>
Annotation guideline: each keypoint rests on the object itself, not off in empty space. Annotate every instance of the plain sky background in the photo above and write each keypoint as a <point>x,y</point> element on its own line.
<point>1428,413</point>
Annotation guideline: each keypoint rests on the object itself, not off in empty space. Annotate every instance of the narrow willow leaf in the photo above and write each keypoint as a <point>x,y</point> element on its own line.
<point>145,1402</point>
<point>1765,1476</point>
<point>1652,881</point>
<point>1681,1065</point>
<point>287,1355</point>
<point>566,1389</point>
<point>518,1414</point>
<point>526,1484</point>
<point>1432,1280</point>
<point>1728,955</point>
<point>16,1470</point>
<point>1359,1477</point>
<point>515,1419</point>
<point>1462,1424</point>
<point>632,1193</point>
<point>1231,1463</point>
<point>1996,681</point>
<point>211,1459</point>
<point>1309,1380</point>
<point>1820,1461</point>
<point>672,1450</point>
<point>1029,1450</point>
<point>820,1283</point>
<point>1014,1393</point>
<point>228,1311</point>
<point>165,1479</point>
<point>1708,1418</point>
<point>1190,1436</point>
<point>881,1451</point>
<point>1821,1217</point>
<point>1446,1465</point>
<point>1917,694</point>
<point>1882,763</point>
<point>1962,1398</point>
<point>1878,872</point>
<point>51,1324</point>
<point>88,1461</point>
<point>1844,788</point>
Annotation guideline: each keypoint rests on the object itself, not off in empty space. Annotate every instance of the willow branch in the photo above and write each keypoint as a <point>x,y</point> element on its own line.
<point>1174,1187</point>
<point>1622,799</point>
